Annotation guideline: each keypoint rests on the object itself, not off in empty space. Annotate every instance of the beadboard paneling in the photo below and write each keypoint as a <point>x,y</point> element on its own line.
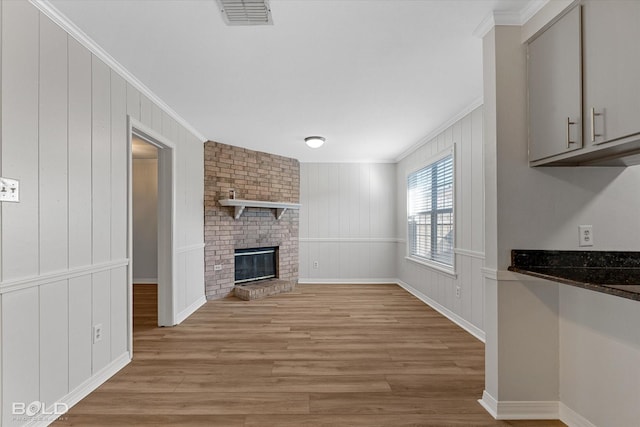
<point>20,60</point>
<point>52,147</point>
<point>64,246</point>
<point>466,134</point>
<point>347,221</point>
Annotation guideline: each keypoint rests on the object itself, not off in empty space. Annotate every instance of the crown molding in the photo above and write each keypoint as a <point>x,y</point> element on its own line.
<point>444,126</point>
<point>74,31</point>
<point>508,18</point>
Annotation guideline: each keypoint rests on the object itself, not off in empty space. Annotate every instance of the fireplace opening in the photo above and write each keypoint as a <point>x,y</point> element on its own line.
<point>255,264</point>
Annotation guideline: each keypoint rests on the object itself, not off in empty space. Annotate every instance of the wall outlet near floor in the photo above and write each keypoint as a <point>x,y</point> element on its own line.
<point>315,264</point>
<point>458,291</point>
<point>97,333</point>
<point>586,235</point>
<point>217,267</point>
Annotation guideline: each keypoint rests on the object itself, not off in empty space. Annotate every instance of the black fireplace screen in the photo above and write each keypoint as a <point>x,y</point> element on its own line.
<point>255,264</point>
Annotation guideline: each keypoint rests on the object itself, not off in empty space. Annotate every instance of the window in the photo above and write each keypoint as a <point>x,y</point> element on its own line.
<point>430,213</point>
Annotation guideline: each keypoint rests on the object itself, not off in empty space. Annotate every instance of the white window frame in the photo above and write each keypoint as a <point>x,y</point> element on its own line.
<point>432,264</point>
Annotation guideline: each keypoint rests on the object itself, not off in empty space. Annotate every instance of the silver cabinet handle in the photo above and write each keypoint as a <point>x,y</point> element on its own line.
<point>569,123</point>
<point>593,124</point>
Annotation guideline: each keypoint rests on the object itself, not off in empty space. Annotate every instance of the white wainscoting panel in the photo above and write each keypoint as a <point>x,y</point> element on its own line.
<point>64,246</point>
<point>347,221</point>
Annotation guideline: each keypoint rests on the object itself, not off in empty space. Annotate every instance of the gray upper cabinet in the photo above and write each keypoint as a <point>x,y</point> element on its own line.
<point>611,70</point>
<point>555,89</point>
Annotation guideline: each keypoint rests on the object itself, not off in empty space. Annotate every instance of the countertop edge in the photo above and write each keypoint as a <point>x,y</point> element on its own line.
<point>589,286</point>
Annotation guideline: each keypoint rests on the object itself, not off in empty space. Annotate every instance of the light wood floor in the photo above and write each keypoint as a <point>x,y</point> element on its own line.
<point>323,355</point>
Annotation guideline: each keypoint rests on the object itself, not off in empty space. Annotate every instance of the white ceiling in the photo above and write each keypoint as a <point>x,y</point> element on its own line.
<point>143,150</point>
<point>372,76</point>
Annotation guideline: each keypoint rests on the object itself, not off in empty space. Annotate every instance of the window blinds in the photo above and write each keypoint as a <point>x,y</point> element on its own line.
<point>430,212</point>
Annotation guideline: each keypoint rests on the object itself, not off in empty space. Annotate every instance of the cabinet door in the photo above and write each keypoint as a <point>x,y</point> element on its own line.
<point>612,70</point>
<point>555,88</point>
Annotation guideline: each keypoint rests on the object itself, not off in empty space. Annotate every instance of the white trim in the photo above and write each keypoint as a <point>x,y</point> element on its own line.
<point>313,281</point>
<point>469,253</point>
<point>434,266</point>
<point>464,324</point>
<point>437,131</point>
<point>29,282</point>
<point>184,314</point>
<point>349,240</point>
<point>145,281</point>
<point>520,410</point>
<point>489,403</point>
<point>190,248</point>
<point>508,18</point>
<point>572,418</point>
<point>74,31</point>
<point>84,389</point>
<point>167,220</point>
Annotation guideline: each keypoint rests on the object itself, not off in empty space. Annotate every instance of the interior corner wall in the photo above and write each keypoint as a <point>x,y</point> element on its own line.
<point>467,137</point>
<point>145,220</point>
<point>541,208</point>
<point>64,246</point>
<point>347,222</point>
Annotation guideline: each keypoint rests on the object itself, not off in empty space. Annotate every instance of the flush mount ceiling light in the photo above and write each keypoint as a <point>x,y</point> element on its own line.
<point>246,12</point>
<point>314,141</point>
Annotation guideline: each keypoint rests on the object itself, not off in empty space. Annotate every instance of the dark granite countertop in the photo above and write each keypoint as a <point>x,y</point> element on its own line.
<point>610,272</point>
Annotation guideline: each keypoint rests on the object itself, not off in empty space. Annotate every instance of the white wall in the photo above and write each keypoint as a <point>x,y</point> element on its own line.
<point>64,246</point>
<point>347,222</point>
<point>145,220</point>
<point>466,135</point>
<point>548,342</point>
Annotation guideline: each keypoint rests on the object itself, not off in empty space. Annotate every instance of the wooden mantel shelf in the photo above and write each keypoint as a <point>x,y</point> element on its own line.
<point>240,204</point>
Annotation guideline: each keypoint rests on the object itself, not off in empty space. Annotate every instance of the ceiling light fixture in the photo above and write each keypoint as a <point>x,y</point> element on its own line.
<point>314,141</point>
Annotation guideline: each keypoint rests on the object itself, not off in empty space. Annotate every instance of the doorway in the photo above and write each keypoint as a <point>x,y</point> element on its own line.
<point>144,260</point>
<point>162,262</point>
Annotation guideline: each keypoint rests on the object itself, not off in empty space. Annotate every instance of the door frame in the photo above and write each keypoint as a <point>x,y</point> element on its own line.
<point>167,268</point>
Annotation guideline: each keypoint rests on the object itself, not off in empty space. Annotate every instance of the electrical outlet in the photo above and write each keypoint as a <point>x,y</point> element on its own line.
<point>97,333</point>
<point>315,264</point>
<point>458,291</point>
<point>9,190</point>
<point>217,267</point>
<point>586,235</point>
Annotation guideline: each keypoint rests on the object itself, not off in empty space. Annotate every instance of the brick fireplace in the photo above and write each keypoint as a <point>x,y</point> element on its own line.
<point>254,176</point>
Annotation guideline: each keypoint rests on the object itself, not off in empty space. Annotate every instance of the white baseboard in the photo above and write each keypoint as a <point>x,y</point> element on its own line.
<point>464,324</point>
<point>520,410</point>
<point>82,391</point>
<point>191,309</point>
<point>572,418</point>
<point>145,281</point>
<point>347,281</point>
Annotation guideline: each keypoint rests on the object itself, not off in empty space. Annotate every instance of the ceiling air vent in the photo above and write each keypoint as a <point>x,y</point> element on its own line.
<point>246,12</point>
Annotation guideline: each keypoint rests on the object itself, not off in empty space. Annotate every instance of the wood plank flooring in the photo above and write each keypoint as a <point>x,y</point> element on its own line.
<point>323,355</point>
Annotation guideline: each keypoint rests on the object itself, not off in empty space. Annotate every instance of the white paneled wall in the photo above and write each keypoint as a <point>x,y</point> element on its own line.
<point>436,287</point>
<point>64,263</point>
<point>347,222</point>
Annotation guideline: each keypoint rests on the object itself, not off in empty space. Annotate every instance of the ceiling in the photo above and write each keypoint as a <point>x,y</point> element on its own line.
<point>141,149</point>
<point>372,76</point>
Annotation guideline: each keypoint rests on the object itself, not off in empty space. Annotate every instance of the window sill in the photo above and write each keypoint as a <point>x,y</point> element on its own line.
<point>439,268</point>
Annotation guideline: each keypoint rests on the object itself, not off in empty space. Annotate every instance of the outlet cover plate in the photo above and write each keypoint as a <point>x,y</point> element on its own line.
<point>9,190</point>
<point>585,235</point>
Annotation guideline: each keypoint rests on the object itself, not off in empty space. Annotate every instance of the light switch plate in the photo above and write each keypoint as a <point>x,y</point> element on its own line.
<point>9,190</point>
